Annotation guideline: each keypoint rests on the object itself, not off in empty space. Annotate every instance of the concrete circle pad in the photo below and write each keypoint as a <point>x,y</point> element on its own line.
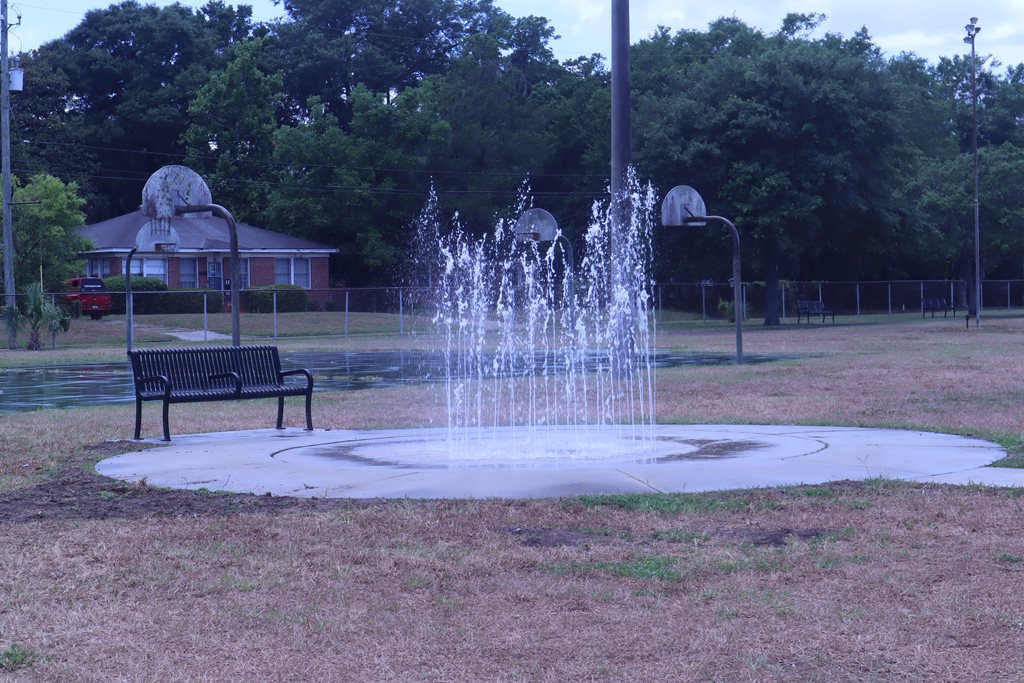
<point>554,461</point>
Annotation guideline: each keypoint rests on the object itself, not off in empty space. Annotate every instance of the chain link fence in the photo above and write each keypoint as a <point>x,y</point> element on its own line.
<point>712,300</point>
<point>200,316</point>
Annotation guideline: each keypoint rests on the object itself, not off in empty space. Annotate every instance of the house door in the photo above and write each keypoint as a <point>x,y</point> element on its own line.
<point>215,274</point>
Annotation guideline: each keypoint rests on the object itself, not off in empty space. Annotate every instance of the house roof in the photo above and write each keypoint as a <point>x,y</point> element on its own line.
<point>196,233</point>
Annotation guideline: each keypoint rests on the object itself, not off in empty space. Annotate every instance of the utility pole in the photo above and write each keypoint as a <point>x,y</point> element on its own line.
<point>621,142</point>
<point>5,170</point>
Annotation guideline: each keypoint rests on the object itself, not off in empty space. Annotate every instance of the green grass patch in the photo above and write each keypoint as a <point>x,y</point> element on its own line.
<point>811,492</point>
<point>674,503</point>
<point>16,657</point>
<point>755,564</point>
<point>648,567</point>
<point>680,535</point>
<point>881,484</point>
<point>843,534</point>
<point>1014,445</point>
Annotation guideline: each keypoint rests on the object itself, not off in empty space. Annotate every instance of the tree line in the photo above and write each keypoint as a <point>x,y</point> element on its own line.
<point>334,123</point>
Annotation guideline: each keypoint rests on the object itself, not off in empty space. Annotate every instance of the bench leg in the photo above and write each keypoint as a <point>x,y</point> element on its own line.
<point>309,411</point>
<point>138,419</point>
<point>280,412</point>
<point>167,428</point>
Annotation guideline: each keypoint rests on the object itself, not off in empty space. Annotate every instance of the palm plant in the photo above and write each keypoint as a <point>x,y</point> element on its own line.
<point>43,314</point>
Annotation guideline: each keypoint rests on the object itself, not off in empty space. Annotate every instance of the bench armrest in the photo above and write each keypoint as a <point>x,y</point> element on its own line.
<point>229,375</point>
<point>141,381</point>
<point>300,371</point>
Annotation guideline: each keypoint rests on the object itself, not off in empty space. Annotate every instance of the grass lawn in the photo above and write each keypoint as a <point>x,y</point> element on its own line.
<point>850,581</point>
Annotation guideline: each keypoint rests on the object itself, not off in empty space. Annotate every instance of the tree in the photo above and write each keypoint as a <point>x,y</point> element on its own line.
<point>230,138</point>
<point>331,46</point>
<point>47,216</point>
<point>795,139</point>
<point>131,70</point>
<point>352,188</point>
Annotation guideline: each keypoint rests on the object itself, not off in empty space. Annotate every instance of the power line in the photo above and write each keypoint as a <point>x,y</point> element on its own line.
<point>334,167</point>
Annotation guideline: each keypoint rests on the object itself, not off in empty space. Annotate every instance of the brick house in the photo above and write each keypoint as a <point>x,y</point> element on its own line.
<point>203,257</point>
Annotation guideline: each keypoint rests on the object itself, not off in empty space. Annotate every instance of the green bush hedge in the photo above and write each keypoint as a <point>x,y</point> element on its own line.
<point>290,298</point>
<point>191,301</point>
<point>143,304</point>
<point>172,301</point>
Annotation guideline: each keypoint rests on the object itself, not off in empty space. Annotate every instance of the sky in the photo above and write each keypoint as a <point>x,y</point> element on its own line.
<point>929,29</point>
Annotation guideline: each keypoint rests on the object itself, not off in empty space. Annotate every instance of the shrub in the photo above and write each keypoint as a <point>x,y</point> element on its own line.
<point>191,301</point>
<point>74,308</point>
<point>173,301</point>
<point>290,298</point>
<point>143,304</point>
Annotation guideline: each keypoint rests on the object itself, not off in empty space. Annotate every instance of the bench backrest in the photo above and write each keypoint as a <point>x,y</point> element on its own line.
<point>809,306</point>
<point>190,368</point>
<point>258,365</point>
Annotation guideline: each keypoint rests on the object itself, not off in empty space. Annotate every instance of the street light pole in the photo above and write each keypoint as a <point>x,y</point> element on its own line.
<point>972,31</point>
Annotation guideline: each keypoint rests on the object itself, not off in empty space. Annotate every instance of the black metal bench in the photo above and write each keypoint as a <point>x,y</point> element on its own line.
<point>223,373</point>
<point>937,303</point>
<point>808,307</point>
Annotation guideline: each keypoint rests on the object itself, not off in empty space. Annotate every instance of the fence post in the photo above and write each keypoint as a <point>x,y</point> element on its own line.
<point>275,313</point>
<point>206,325</point>
<point>951,299</point>
<point>783,287</point>
<point>922,298</point>
<point>890,297</point>
<point>401,312</point>
<point>819,292</point>
<point>1007,295</point>
<point>858,299</point>
<point>346,312</point>
<point>703,304</point>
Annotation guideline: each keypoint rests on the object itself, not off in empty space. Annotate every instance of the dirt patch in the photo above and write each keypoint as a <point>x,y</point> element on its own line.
<point>76,492</point>
<point>550,538</point>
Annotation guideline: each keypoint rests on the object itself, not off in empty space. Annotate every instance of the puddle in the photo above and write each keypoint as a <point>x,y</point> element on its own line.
<point>66,386</point>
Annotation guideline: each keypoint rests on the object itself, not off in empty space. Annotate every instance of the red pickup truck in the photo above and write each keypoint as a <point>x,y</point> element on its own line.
<point>92,294</point>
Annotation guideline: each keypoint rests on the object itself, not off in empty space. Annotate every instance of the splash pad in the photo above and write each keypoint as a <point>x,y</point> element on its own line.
<point>550,392</point>
<point>412,463</point>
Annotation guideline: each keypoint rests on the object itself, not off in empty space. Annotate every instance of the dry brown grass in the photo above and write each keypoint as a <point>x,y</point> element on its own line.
<point>885,581</point>
<point>908,583</point>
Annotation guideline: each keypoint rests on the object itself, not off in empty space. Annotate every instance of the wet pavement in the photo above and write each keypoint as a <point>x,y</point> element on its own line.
<point>24,389</point>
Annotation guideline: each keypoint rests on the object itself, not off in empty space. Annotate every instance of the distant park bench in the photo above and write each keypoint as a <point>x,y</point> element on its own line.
<point>808,307</point>
<point>217,373</point>
<point>937,303</point>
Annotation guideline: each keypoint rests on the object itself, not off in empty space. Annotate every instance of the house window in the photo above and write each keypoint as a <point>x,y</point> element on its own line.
<point>187,269</point>
<point>300,272</point>
<point>292,271</point>
<point>98,267</point>
<point>150,267</point>
<point>282,271</point>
